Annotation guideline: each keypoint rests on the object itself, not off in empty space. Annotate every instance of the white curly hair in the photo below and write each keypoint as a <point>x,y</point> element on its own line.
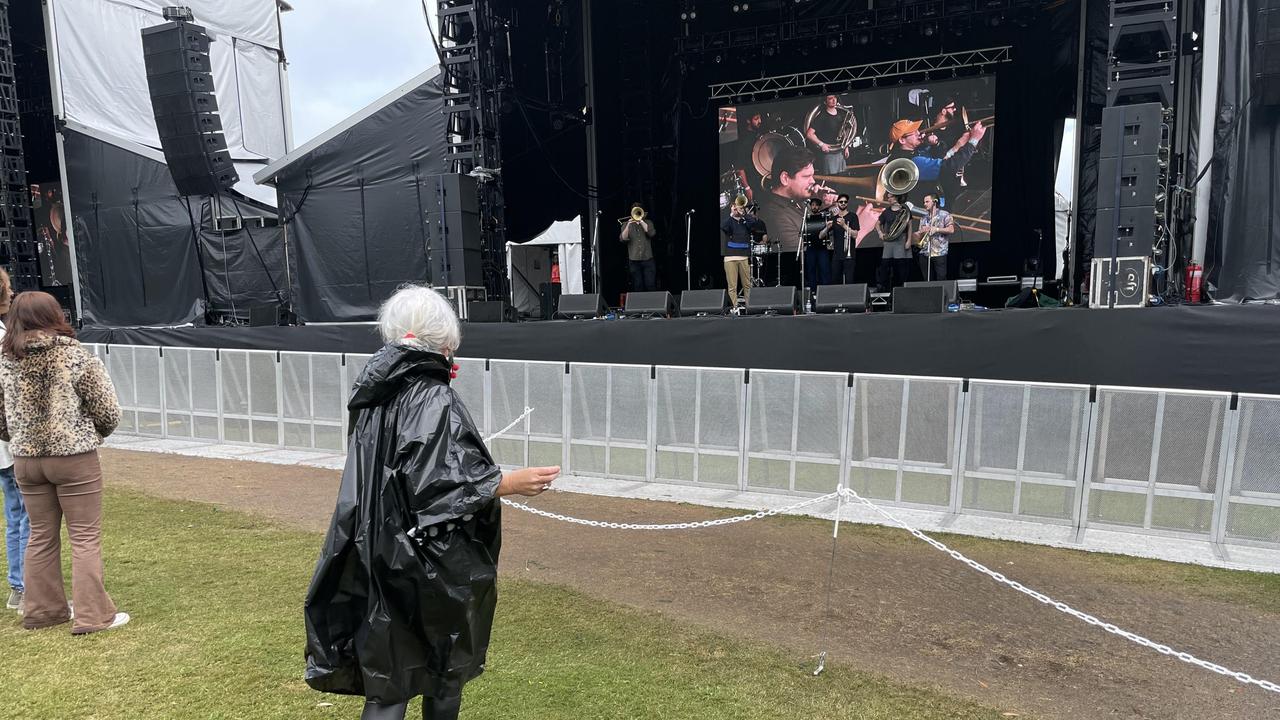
<point>423,313</point>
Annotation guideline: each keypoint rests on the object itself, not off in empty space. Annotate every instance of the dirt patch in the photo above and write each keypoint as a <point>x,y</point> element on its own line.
<point>899,608</point>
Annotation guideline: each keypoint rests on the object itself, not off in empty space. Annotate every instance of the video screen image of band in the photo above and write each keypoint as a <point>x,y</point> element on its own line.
<point>779,154</point>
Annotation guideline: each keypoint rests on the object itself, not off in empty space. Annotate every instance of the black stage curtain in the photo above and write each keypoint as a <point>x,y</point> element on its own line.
<point>1243,257</point>
<point>1065,345</point>
<point>352,208</point>
<point>137,263</point>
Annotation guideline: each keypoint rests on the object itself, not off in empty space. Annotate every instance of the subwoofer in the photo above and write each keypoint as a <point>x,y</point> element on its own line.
<point>841,298</point>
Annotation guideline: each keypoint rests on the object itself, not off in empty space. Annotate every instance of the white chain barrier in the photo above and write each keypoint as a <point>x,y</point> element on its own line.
<point>672,526</point>
<point>1065,608</point>
<point>843,493</point>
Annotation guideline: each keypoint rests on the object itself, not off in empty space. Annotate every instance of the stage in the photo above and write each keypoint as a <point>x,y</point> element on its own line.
<point>1224,347</point>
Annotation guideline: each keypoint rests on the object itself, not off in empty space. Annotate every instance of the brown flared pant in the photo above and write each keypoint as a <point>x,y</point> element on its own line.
<point>53,488</point>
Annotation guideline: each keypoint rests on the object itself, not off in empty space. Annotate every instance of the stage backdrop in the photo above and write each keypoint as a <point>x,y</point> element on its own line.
<point>850,135</point>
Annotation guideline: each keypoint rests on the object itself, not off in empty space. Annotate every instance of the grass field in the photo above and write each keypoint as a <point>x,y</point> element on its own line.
<point>217,633</point>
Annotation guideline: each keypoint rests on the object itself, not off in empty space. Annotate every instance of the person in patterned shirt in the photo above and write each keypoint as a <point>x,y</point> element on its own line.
<point>933,240</point>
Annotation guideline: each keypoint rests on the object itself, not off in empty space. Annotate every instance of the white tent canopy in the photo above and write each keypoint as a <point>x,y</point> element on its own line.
<point>529,263</point>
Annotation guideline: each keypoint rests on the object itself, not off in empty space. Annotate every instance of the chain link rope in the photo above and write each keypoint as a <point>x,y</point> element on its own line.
<point>1062,607</point>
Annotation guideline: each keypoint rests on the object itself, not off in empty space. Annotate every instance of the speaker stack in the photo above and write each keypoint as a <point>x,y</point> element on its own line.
<point>451,205</point>
<point>1266,53</point>
<point>1132,188</point>
<point>179,77</point>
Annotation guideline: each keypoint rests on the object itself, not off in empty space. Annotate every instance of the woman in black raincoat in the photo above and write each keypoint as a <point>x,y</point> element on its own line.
<point>403,595</point>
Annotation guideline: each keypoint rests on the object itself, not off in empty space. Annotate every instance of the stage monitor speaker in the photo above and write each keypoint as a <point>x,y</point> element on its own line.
<point>1133,283</point>
<point>950,288</point>
<point>779,300</point>
<point>581,307</point>
<point>490,311</point>
<point>1266,53</point>
<point>180,82</point>
<point>700,303</point>
<point>1141,130</point>
<point>649,304</point>
<point>1140,181</point>
<point>920,298</point>
<point>841,298</point>
<point>1135,228</point>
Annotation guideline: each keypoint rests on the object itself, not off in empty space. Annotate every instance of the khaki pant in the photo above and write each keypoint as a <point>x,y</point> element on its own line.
<point>53,488</point>
<point>738,271</point>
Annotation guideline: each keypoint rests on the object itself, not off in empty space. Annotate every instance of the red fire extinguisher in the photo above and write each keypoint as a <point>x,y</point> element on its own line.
<point>1195,275</point>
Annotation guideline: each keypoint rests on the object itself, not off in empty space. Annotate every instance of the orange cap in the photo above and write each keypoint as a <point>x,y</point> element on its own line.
<point>902,127</point>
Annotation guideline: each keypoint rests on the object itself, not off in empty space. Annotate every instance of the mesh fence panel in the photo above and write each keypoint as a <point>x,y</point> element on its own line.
<point>589,394</point>
<point>995,426</point>
<point>877,423</point>
<point>469,385</point>
<point>931,409</point>
<point>1253,512</point>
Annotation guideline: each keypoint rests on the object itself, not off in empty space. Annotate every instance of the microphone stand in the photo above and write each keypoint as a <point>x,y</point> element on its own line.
<point>595,252</point>
<point>688,247</point>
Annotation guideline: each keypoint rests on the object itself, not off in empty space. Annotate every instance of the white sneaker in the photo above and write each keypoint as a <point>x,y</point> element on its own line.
<point>121,619</point>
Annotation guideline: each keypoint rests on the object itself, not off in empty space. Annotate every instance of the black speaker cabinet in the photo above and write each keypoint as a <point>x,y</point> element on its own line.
<point>922,298</point>
<point>649,304</point>
<point>700,303</point>
<point>1134,228</point>
<point>581,307</point>
<point>950,289</point>
<point>1139,177</point>
<point>266,315</point>
<point>841,298</point>
<point>1136,128</point>
<point>491,311</point>
<point>780,300</point>
<point>1266,52</point>
<point>180,81</point>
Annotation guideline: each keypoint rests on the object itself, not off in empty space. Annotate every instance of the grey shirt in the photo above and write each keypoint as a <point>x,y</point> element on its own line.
<point>895,247</point>
<point>639,246</point>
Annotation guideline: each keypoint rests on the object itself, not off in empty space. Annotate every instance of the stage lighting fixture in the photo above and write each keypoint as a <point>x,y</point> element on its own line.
<point>770,50</point>
<point>833,42</point>
<point>968,269</point>
<point>693,14</point>
<point>718,58</point>
<point>929,29</point>
<point>737,8</point>
<point>179,13</point>
<point>995,20</point>
<point>684,16</point>
<point>864,38</point>
<point>1031,268</point>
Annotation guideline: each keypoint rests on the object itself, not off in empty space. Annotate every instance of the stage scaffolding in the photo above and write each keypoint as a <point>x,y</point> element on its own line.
<point>817,80</point>
<point>1066,459</point>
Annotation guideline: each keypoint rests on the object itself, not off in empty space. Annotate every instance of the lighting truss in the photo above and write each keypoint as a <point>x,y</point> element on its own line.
<point>860,73</point>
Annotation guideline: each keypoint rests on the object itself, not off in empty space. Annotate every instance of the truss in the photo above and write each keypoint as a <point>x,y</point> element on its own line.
<point>861,73</point>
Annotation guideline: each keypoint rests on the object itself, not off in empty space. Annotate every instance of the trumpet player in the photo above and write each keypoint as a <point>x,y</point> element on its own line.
<point>841,233</point>
<point>823,131</point>
<point>637,233</point>
<point>933,239</point>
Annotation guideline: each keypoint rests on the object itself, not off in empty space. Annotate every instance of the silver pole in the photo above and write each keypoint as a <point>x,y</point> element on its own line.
<point>1208,123</point>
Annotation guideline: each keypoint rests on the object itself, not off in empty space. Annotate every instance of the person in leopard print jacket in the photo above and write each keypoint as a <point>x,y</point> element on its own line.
<point>58,405</point>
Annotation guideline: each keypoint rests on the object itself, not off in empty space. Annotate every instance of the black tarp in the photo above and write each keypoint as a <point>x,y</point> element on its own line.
<point>1243,255</point>
<point>351,207</point>
<point>136,259</point>
<point>1174,347</point>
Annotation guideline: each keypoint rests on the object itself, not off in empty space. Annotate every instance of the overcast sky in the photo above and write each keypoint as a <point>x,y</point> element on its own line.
<point>344,54</point>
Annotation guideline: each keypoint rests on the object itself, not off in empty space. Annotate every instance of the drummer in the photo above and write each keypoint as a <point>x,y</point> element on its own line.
<point>735,247</point>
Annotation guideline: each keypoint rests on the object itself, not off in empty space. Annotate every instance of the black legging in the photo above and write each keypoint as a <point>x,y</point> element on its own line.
<point>432,709</point>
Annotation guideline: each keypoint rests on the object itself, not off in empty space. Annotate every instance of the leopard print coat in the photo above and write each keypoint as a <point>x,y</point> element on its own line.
<point>57,401</point>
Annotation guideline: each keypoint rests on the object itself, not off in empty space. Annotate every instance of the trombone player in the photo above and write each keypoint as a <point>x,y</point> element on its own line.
<point>637,233</point>
<point>906,141</point>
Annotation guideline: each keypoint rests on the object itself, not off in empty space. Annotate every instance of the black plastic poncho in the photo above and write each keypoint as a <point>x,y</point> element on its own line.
<point>403,595</point>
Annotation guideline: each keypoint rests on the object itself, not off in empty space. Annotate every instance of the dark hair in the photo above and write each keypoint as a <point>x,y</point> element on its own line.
<point>842,196</point>
<point>635,205</point>
<point>789,160</point>
<point>813,200</point>
<point>932,195</point>
<point>32,312</point>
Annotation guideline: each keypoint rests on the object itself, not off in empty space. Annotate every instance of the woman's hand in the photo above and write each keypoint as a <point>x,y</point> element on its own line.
<point>529,481</point>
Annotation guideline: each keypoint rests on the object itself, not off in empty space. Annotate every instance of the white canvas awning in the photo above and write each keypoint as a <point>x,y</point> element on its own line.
<point>529,264</point>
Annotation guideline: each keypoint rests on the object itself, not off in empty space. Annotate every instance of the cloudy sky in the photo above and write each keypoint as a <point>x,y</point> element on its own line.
<point>344,54</point>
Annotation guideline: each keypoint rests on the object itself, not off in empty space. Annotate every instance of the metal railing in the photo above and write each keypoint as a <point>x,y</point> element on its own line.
<point>1202,465</point>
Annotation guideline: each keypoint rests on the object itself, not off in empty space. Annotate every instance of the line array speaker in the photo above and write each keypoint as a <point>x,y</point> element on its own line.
<point>176,55</point>
<point>1266,53</point>
<point>452,223</point>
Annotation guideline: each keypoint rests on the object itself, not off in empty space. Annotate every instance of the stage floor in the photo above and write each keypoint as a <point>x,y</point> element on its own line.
<point>1225,347</point>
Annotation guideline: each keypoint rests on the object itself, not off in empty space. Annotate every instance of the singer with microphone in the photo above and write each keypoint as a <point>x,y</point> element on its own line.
<point>735,247</point>
<point>783,208</point>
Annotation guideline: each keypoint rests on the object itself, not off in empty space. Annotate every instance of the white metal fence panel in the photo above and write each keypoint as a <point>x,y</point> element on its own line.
<point>1156,457</point>
<point>1252,512</point>
<point>700,444</point>
<point>903,439</point>
<point>1021,449</point>
<point>795,430</point>
<point>516,385</point>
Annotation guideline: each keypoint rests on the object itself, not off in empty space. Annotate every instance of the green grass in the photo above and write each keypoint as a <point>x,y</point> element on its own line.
<point>216,598</point>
